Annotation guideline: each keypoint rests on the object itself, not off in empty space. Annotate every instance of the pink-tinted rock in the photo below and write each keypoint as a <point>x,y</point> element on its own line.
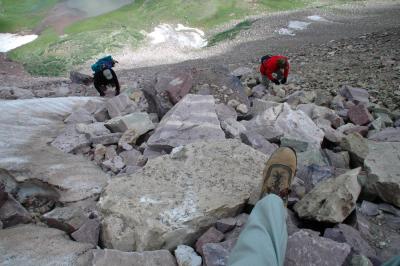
<point>360,115</point>
<point>305,247</point>
<point>179,86</point>
<point>212,235</point>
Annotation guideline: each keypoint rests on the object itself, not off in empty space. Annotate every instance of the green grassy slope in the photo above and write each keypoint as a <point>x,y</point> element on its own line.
<point>53,55</point>
<point>17,15</point>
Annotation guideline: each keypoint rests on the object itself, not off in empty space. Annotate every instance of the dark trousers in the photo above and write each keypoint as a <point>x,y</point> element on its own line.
<point>100,82</point>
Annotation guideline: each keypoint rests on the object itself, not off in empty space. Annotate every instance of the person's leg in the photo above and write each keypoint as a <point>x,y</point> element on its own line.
<point>265,81</point>
<point>98,84</point>
<point>264,238</point>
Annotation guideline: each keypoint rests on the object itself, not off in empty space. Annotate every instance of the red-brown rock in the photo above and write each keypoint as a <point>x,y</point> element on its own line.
<point>212,235</point>
<point>360,115</point>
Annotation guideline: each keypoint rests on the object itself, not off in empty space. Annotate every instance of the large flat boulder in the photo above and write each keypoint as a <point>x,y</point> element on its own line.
<point>36,245</point>
<point>193,119</point>
<point>332,200</point>
<point>27,128</point>
<point>383,167</point>
<point>174,199</point>
<point>291,124</point>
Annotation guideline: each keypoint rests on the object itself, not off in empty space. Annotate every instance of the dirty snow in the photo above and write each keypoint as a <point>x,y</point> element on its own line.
<point>316,18</point>
<point>179,36</point>
<point>9,41</point>
<point>294,25</point>
<point>298,25</point>
<point>285,31</point>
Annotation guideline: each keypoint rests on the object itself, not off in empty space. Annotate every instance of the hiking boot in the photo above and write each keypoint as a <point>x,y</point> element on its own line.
<point>279,172</point>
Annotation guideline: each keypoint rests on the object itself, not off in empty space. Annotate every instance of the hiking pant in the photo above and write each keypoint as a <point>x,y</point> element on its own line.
<point>264,238</point>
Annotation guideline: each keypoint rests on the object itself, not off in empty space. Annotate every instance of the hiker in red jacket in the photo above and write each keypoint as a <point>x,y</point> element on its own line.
<point>274,68</point>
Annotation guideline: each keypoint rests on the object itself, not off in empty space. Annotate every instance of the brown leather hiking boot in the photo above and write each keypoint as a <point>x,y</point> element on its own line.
<point>279,172</point>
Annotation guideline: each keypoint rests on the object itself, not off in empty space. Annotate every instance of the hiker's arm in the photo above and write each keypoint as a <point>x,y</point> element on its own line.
<point>115,79</point>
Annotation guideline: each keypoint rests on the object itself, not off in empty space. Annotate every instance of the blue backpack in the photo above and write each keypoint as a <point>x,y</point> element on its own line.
<point>103,63</point>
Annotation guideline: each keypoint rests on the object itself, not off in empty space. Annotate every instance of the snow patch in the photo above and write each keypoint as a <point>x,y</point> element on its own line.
<point>316,18</point>
<point>285,31</point>
<point>9,41</point>
<point>293,26</point>
<point>180,36</point>
<point>298,25</point>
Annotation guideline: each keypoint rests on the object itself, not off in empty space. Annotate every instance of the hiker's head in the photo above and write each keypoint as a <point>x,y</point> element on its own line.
<point>281,63</point>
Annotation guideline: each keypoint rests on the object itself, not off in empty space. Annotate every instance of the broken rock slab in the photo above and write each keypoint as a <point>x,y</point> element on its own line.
<point>308,248</point>
<point>81,115</point>
<point>383,168</point>
<point>107,257</point>
<point>155,209</point>
<point>70,140</point>
<point>13,213</point>
<point>30,245</point>
<point>332,200</point>
<point>121,105</point>
<point>193,119</point>
<point>140,122</point>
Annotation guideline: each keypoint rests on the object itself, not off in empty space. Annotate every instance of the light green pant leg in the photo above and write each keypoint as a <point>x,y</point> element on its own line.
<point>264,238</point>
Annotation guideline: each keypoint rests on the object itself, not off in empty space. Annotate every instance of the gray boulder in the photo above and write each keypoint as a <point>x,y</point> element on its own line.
<point>357,147</point>
<point>30,245</point>
<point>292,124</point>
<point>383,168</point>
<point>387,134</point>
<point>186,256</point>
<point>258,142</point>
<point>106,257</point>
<point>332,200</point>
<point>307,248</point>
<point>192,119</point>
<point>152,209</point>
<point>232,128</point>
<point>355,94</point>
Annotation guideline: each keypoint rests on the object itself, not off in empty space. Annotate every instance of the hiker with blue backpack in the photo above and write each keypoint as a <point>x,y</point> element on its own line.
<point>104,75</point>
